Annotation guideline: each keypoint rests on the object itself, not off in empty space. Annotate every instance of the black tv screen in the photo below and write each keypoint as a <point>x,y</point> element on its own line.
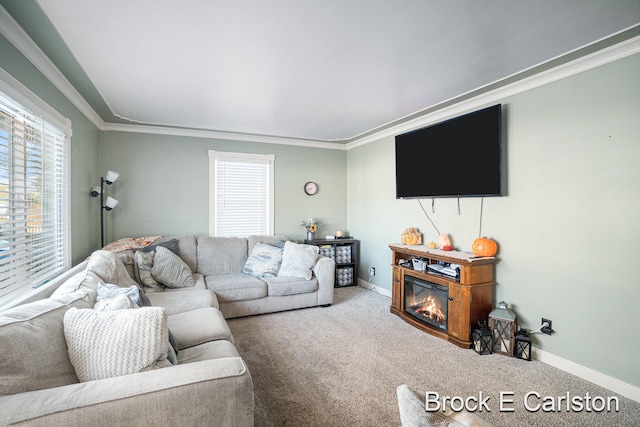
<point>460,157</point>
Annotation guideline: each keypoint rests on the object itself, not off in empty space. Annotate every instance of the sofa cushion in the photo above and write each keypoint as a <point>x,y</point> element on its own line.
<point>264,261</point>
<point>286,285</point>
<point>188,250</point>
<point>207,351</point>
<point>183,299</point>
<point>298,260</point>
<point>170,270</point>
<point>199,281</point>
<point>34,349</point>
<point>221,255</point>
<point>105,344</point>
<point>84,280</point>
<point>82,298</point>
<point>198,326</point>
<point>236,287</point>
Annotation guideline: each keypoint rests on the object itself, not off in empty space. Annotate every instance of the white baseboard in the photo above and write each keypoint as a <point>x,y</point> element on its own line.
<point>377,289</point>
<point>598,378</point>
<point>627,390</point>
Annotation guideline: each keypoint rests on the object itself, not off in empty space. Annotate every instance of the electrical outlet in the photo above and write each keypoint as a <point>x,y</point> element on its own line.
<point>372,271</point>
<point>547,329</point>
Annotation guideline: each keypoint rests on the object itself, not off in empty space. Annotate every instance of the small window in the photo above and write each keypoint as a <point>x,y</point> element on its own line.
<point>240,194</point>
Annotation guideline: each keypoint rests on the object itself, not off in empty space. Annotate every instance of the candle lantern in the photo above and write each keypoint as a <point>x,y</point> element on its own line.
<point>522,348</point>
<point>502,323</point>
<point>482,339</point>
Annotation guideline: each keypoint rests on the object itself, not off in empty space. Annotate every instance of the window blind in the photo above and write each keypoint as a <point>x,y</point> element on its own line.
<point>242,194</point>
<point>33,199</point>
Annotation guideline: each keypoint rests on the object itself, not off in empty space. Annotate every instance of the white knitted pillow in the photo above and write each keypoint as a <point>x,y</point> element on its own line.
<point>104,344</point>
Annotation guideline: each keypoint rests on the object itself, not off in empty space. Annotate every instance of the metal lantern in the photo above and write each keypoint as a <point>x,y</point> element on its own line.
<point>502,323</point>
<point>522,348</point>
<point>482,339</point>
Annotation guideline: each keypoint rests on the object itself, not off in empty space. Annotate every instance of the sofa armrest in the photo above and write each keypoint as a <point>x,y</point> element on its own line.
<point>325,272</point>
<point>210,392</point>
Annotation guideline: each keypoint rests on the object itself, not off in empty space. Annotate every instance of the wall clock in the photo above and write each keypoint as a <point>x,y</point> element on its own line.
<point>311,188</point>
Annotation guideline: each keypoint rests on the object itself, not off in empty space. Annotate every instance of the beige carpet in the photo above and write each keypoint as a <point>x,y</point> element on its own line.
<point>340,366</point>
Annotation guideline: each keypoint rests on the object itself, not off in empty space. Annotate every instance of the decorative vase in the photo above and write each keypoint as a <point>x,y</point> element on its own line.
<point>311,235</point>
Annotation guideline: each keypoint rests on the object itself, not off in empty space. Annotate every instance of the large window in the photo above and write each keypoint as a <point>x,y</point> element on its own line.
<point>240,194</point>
<point>34,213</point>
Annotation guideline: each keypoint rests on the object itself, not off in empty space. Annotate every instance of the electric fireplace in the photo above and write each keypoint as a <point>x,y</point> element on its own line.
<point>426,301</point>
<point>444,306</point>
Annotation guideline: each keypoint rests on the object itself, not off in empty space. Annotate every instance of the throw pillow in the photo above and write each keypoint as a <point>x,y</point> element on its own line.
<point>105,344</point>
<point>143,265</point>
<point>264,261</point>
<point>170,270</point>
<point>298,260</point>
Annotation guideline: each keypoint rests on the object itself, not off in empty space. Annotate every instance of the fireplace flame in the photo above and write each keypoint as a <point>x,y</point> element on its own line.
<point>428,308</point>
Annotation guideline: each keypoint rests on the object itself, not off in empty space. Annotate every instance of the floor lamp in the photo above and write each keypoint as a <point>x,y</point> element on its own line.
<point>107,205</point>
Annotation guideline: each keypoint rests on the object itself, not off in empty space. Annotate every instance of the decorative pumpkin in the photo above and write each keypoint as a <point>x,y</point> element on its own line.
<point>483,246</point>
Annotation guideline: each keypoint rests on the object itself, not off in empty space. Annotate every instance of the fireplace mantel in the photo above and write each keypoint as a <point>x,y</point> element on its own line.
<point>470,295</point>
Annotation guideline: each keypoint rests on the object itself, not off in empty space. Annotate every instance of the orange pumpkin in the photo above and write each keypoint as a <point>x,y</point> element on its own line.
<point>484,246</point>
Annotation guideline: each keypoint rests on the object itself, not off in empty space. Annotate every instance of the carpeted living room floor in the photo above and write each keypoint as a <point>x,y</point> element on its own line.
<point>341,365</point>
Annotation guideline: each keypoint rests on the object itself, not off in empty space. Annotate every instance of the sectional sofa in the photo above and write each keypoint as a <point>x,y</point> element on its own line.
<point>129,341</point>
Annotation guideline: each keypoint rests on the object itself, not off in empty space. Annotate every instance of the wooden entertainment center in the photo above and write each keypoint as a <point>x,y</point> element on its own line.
<point>470,296</point>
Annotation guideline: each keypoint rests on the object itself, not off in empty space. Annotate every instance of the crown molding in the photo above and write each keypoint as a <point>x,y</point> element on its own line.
<point>587,62</point>
<point>10,29</point>
<point>229,136</point>
<point>13,32</point>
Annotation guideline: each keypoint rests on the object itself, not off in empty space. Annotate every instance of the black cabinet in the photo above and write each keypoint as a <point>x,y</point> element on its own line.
<point>345,253</point>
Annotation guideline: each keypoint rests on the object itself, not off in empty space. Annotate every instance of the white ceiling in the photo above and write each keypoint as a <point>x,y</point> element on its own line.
<point>323,69</point>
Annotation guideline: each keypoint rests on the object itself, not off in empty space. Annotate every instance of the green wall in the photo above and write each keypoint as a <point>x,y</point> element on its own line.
<point>567,229</point>
<point>85,212</point>
<point>163,185</point>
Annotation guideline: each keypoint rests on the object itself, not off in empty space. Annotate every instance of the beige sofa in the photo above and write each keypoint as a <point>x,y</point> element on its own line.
<point>207,382</point>
<point>217,264</point>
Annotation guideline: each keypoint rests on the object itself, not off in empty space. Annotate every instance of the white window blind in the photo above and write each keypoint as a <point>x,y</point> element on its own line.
<point>241,194</point>
<point>34,191</point>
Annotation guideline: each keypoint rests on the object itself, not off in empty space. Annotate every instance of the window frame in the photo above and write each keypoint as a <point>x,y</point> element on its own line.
<point>46,117</point>
<point>214,156</point>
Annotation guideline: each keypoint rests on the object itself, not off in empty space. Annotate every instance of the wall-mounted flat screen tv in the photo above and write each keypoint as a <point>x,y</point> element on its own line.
<point>460,157</point>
